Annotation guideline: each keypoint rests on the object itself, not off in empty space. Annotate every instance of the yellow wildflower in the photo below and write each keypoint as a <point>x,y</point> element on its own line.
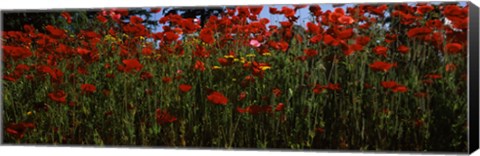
<point>267,54</point>
<point>265,68</point>
<point>250,55</point>
<point>229,56</point>
<point>216,67</point>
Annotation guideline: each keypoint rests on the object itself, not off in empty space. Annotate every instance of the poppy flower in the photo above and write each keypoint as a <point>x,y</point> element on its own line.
<point>170,36</point>
<point>135,20</point>
<point>58,96</point>
<point>206,35</point>
<point>316,10</point>
<point>146,75</point>
<point>313,28</point>
<point>67,16</point>
<point>288,12</point>
<point>418,32</point>
<point>277,92</point>
<point>163,117</point>
<point>224,61</point>
<point>318,89</point>
<point>453,48</point>
<point>255,109</point>
<point>388,84</point>
<point>255,43</point>
<point>18,130</point>
<point>315,39</point>
<point>155,10</point>
<point>242,96</point>
<point>420,94</point>
<point>333,87</point>
<point>256,10</point>
<point>199,65</point>
<point>56,32</point>
<point>131,64</point>
<point>389,38</point>
<point>310,52</point>
<point>433,76</point>
<point>362,40</point>
<point>185,88</point>
<point>166,79</point>
<point>279,107</point>
<point>403,49</point>
<point>424,9</point>
<point>88,88</point>
<point>217,98</point>
<point>345,34</point>
<point>400,89</point>
<point>380,50</point>
<point>450,67</point>
<point>381,66</point>
<point>347,20</point>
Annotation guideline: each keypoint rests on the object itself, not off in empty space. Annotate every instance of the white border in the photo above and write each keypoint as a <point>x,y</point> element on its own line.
<point>73,150</point>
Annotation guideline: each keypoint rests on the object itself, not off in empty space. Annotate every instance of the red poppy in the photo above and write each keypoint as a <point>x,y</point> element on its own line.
<point>424,9</point>
<point>131,64</point>
<point>450,67</point>
<point>155,10</point>
<point>388,84</point>
<point>362,40</point>
<point>185,87</point>
<point>418,32</point>
<point>18,130</point>
<point>56,32</point>
<point>310,52</point>
<point>255,109</point>
<point>318,89</point>
<point>146,75</point>
<point>166,79</point>
<point>88,88</point>
<point>400,89</point>
<point>329,40</point>
<point>380,50</point>
<point>277,92</point>
<point>313,28</point>
<point>67,17</point>
<point>199,65</point>
<point>242,96</point>
<point>403,49</point>
<point>147,51</point>
<point>453,48</point>
<point>333,87</point>
<point>58,96</point>
<point>224,61</point>
<point>206,35</point>
<point>347,20</point>
<point>288,12</point>
<point>316,39</point>
<point>420,94</point>
<point>345,34</point>
<point>170,36</point>
<point>279,107</point>
<point>163,117</point>
<point>389,38</point>
<point>217,98</point>
<point>315,10</point>
<point>381,66</point>
<point>433,76</point>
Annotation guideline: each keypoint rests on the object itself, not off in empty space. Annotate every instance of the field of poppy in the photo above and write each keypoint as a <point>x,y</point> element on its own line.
<point>389,77</point>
